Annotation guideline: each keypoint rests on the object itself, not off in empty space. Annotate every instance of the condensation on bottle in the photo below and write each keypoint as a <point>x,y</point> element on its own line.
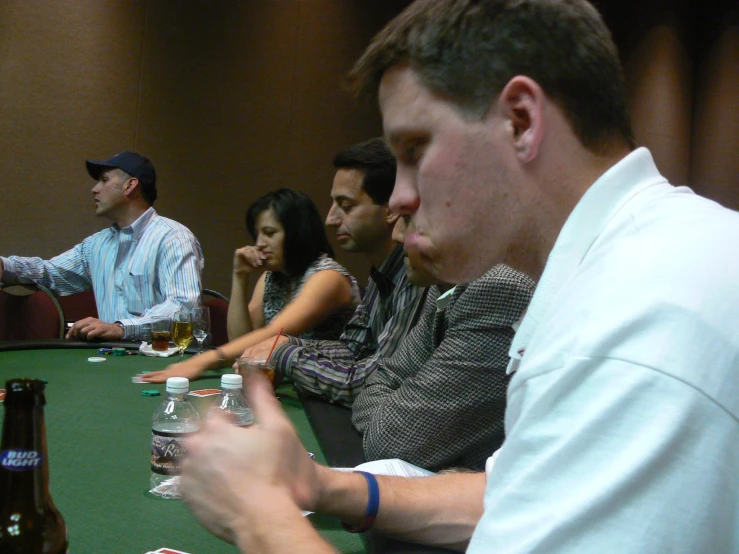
<point>232,402</point>
<point>174,420</point>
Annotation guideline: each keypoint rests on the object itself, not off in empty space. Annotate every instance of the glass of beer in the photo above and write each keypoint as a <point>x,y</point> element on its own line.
<point>161,332</point>
<point>182,330</point>
<point>251,363</point>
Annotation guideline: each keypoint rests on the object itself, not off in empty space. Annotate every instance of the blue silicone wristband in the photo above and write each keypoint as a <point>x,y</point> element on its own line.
<point>373,505</point>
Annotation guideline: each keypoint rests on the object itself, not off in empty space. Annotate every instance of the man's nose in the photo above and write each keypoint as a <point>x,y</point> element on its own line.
<point>331,219</point>
<point>405,199</point>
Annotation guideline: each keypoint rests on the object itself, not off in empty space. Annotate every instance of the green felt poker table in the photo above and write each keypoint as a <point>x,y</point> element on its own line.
<point>98,428</point>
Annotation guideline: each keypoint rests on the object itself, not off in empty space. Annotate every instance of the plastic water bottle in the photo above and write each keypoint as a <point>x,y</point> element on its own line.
<point>173,421</point>
<point>232,402</point>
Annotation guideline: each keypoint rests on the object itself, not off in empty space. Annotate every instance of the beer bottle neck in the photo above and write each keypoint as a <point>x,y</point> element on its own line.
<point>24,467</point>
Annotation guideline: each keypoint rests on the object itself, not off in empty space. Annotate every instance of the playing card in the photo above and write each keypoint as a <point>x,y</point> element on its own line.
<point>204,392</point>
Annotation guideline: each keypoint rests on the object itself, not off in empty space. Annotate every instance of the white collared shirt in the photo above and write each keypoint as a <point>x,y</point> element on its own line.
<point>622,425</point>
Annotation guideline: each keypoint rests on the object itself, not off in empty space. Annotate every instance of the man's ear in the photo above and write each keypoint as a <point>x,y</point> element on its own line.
<point>131,185</point>
<point>391,216</point>
<point>522,103</point>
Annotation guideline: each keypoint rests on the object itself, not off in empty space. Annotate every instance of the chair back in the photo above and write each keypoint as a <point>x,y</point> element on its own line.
<point>78,306</point>
<point>218,305</point>
<point>29,312</point>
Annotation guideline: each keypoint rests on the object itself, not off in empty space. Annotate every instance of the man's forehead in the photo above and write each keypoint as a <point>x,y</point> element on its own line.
<point>348,184</point>
<point>404,104</point>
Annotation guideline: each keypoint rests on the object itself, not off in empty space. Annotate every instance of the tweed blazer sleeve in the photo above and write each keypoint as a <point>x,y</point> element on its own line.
<point>439,401</point>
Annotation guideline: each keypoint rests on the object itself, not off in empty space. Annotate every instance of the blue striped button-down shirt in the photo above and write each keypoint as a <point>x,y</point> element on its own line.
<point>151,268</point>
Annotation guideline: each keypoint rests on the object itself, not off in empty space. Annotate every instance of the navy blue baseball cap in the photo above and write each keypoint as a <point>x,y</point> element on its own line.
<point>130,162</point>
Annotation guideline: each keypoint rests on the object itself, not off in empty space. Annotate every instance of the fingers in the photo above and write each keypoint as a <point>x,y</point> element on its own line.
<point>185,369</point>
<point>80,329</point>
<point>216,422</point>
<point>155,377</point>
<point>249,257</point>
<point>94,332</point>
<point>267,409</point>
<point>163,375</point>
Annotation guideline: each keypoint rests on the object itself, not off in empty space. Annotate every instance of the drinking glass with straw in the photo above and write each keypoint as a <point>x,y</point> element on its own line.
<point>248,363</point>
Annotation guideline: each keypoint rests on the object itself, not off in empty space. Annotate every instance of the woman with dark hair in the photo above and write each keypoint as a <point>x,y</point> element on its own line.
<point>302,290</point>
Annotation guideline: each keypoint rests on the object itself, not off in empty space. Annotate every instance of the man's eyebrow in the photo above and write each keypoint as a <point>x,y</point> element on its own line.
<point>343,198</point>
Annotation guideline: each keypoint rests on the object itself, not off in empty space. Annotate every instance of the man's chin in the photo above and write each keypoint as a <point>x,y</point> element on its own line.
<point>348,245</point>
<point>420,279</point>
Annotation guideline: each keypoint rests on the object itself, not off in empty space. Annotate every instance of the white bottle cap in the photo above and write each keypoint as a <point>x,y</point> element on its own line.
<point>178,384</point>
<point>232,381</point>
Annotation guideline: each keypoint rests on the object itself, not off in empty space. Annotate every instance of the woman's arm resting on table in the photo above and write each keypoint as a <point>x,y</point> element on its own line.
<point>323,294</point>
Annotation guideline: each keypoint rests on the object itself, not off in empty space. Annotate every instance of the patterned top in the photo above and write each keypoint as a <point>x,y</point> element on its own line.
<point>151,268</point>
<point>336,370</point>
<point>439,401</point>
<point>279,291</point>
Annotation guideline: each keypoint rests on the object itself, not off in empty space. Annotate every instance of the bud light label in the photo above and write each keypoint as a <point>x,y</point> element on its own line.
<point>18,459</point>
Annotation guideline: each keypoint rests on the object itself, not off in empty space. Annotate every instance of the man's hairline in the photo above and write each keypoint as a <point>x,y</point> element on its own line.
<point>362,187</point>
<point>120,172</point>
<point>440,95</point>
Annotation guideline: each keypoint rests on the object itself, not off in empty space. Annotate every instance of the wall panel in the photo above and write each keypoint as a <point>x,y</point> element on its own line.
<point>228,99</point>
<point>70,79</point>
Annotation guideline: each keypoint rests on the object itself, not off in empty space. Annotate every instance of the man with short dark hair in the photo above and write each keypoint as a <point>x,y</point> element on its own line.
<point>336,370</point>
<point>143,266</point>
<point>509,122</point>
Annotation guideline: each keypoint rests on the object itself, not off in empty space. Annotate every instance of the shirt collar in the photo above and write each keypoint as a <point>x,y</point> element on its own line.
<point>585,224</point>
<point>391,270</point>
<point>137,228</point>
<point>443,300</point>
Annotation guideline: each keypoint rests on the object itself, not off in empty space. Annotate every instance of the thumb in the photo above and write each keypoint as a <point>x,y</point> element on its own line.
<point>260,394</point>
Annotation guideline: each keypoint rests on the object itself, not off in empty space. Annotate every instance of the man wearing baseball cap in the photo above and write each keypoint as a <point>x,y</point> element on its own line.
<point>142,266</point>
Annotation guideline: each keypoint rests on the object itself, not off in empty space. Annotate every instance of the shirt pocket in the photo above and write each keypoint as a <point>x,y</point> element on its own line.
<point>137,294</point>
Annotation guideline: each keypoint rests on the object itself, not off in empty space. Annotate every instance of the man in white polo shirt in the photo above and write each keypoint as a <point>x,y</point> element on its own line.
<point>509,122</point>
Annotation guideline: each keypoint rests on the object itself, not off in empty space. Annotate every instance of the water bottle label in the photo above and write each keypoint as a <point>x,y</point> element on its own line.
<point>167,452</point>
<point>19,459</point>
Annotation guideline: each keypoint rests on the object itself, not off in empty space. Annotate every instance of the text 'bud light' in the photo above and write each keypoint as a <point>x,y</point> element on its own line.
<point>21,460</point>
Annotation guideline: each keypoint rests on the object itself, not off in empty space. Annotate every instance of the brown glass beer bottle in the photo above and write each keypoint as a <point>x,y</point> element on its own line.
<point>29,521</point>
